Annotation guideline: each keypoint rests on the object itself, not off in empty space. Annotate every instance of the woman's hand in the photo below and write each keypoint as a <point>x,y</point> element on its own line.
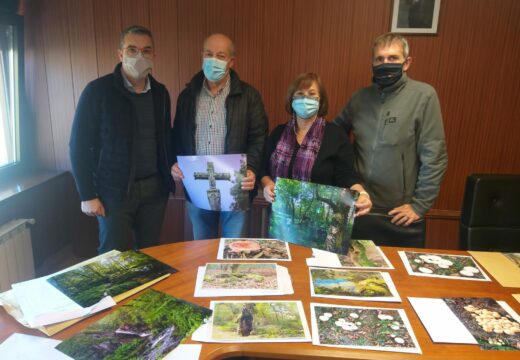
<point>269,192</point>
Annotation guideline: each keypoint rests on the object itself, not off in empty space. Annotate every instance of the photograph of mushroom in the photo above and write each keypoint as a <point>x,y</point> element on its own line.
<point>362,328</point>
<point>444,266</point>
<point>352,284</point>
<point>488,322</point>
<point>259,321</point>
<point>253,249</point>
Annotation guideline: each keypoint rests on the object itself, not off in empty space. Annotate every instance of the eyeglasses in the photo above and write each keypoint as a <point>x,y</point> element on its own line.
<point>133,51</point>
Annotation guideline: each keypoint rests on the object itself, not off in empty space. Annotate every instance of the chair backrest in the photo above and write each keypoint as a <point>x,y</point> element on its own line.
<point>376,226</point>
<point>490,216</point>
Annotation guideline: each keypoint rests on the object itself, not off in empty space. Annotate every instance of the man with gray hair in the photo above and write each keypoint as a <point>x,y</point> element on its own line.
<point>399,142</point>
<point>217,113</point>
<point>119,147</point>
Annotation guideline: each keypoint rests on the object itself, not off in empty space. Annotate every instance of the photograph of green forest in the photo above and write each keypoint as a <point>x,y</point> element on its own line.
<point>148,327</point>
<point>110,276</point>
<point>313,215</point>
<point>248,321</point>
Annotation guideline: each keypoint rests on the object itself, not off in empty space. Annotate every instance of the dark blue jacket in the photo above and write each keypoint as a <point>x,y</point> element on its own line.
<point>245,119</point>
<point>103,136</point>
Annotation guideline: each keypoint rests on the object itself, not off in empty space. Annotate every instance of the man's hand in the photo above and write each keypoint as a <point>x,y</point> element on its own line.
<point>403,215</point>
<point>177,172</point>
<point>248,183</point>
<point>93,207</point>
<point>363,205</point>
<point>269,192</point>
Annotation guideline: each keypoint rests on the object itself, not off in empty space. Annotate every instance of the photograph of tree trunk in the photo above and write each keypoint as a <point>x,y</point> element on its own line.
<point>313,215</point>
<point>148,327</point>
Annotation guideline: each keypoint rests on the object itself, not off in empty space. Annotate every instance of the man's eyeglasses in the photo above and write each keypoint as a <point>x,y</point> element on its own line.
<point>133,51</point>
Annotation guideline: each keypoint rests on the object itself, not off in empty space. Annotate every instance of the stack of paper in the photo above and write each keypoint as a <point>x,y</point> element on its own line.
<point>492,324</point>
<point>362,254</point>
<point>66,297</point>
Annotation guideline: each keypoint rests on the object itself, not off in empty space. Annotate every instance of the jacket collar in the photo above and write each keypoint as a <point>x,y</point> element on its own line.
<point>394,88</point>
<point>119,81</point>
<point>196,82</point>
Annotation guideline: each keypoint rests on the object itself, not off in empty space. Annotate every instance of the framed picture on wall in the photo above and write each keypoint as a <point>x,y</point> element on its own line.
<point>415,16</point>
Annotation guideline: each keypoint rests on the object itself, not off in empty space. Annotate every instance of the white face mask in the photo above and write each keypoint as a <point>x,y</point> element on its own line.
<point>137,67</point>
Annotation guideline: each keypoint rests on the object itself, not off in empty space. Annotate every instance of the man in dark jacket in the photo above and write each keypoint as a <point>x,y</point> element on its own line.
<point>218,114</point>
<point>119,147</point>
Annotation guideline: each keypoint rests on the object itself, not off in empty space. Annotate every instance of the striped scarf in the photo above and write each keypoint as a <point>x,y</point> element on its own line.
<point>306,155</point>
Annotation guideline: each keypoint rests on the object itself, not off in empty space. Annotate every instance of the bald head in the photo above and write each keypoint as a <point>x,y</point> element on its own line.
<point>219,43</point>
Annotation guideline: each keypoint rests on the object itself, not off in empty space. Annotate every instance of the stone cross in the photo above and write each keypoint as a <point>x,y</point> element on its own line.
<point>213,192</point>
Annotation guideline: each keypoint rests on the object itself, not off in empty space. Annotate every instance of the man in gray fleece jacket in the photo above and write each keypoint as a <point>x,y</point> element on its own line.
<point>399,142</point>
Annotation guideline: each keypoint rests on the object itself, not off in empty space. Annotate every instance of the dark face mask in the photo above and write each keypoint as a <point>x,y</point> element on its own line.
<point>387,74</point>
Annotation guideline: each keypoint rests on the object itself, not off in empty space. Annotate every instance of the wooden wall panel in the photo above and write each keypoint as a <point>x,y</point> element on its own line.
<point>59,77</point>
<point>107,22</point>
<point>470,61</point>
<point>83,54</point>
<point>135,12</point>
<point>163,24</point>
<point>38,113</point>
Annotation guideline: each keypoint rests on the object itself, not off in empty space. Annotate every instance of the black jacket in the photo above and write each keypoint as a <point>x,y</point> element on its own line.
<point>334,164</point>
<point>245,119</point>
<point>102,137</point>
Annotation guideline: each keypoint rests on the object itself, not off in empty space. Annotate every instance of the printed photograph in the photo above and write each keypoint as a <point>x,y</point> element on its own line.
<point>248,321</point>
<point>492,326</point>
<point>148,327</point>
<point>341,283</point>
<point>415,16</point>
<point>240,276</point>
<point>109,277</point>
<point>440,265</point>
<point>313,215</point>
<point>253,249</point>
<point>214,182</point>
<point>364,254</point>
<point>514,257</point>
<point>366,328</point>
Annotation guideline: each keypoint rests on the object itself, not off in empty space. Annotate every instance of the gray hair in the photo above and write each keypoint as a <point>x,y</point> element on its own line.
<point>388,39</point>
<point>134,29</point>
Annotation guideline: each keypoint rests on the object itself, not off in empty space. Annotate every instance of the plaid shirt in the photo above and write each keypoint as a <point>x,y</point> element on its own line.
<point>210,119</point>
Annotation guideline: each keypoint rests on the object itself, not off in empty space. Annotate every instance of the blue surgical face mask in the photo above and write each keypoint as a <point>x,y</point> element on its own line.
<point>214,69</point>
<point>305,107</point>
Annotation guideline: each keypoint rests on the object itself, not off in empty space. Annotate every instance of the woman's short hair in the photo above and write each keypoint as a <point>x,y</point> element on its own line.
<point>304,81</point>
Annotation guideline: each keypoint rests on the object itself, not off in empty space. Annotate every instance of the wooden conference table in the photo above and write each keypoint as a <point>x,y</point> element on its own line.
<point>187,256</point>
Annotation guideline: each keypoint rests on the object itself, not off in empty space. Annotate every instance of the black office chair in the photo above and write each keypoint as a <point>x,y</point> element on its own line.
<point>376,226</point>
<point>490,217</point>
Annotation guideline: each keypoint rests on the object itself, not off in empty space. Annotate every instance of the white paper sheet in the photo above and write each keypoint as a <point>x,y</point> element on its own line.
<point>316,336</point>
<point>28,347</point>
<point>222,244</point>
<point>283,279</point>
<point>43,304</point>
<point>322,258</point>
<point>386,277</point>
<point>204,332</point>
<point>442,324</point>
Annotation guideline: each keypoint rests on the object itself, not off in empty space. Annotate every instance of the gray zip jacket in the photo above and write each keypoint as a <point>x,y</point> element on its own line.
<point>399,146</point>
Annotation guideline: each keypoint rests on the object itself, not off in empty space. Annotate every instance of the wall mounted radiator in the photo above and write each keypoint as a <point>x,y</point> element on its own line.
<point>16,256</point>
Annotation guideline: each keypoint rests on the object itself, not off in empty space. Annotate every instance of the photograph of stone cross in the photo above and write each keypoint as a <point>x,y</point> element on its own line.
<point>214,198</point>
